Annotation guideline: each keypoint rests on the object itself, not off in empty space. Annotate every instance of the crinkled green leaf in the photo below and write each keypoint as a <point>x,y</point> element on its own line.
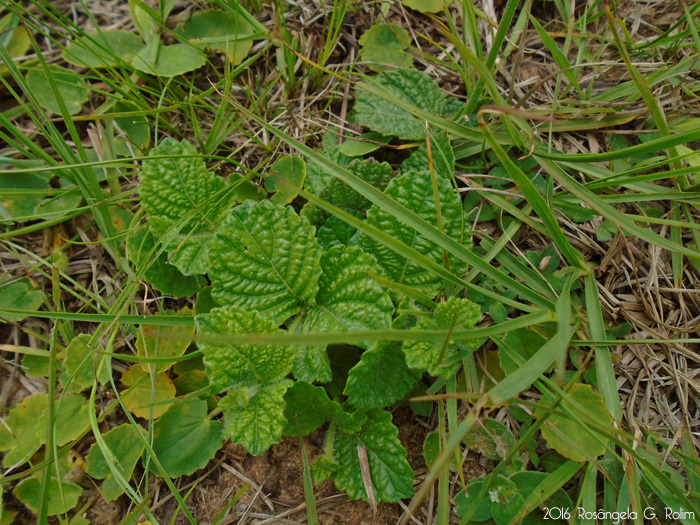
<point>311,407</point>
<point>147,391</point>
<point>442,154</point>
<point>125,446</point>
<point>384,45</point>
<point>164,341</point>
<point>20,194</point>
<point>348,299</point>
<point>236,364</point>
<point>285,178</point>
<point>71,88</point>
<point>141,246</point>
<point>335,232</point>
<point>566,435</point>
<point>392,476</point>
<point>18,435</point>
<point>185,203</point>
<point>19,296</point>
<point>324,468</point>
<point>382,116</point>
<point>381,378</point>
<point>265,258</point>
<point>414,190</point>
<point>79,365</point>
<point>171,61</point>
<point>455,313</point>
<point>185,438</point>
<point>227,32</point>
<point>62,495</point>
<point>103,49</point>
<point>338,193</point>
<point>255,416</point>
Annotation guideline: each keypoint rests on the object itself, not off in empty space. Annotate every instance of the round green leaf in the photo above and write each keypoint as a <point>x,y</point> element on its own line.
<point>134,126</point>
<point>79,365</point>
<point>383,45</point>
<point>103,49</point>
<point>19,296</point>
<point>20,194</point>
<point>286,178</point>
<point>466,499</point>
<point>493,439</point>
<point>427,6</point>
<point>18,436</point>
<point>506,500</point>
<point>185,439</point>
<point>71,88</point>
<point>221,30</point>
<point>575,439</point>
<point>164,341</point>
<point>172,60</point>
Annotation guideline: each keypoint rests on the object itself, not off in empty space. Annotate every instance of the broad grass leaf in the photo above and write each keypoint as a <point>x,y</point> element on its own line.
<point>19,295</point>
<point>573,438</point>
<point>164,341</point>
<point>454,313</point>
<point>391,474</point>
<point>255,416</point>
<point>310,406</point>
<point>18,435</point>
<point>265,258</point>
<point>384,45</point>
<point>382,116</point>
<point>126,446</point>
<point>166,277</point>
<point>146,393</point>
<point>220,30</point>
<point>185,438</point>
<point>103,49</point>
<point>171,61</point>
<point>285,178</point>
<point>185,203</point>
<point>71,88</point>
<point>348,299</point>
<point>381,378</point>
<point>229,364</point>
<point>414,190</point>
<point>79,362</point>
<point>62,495</point>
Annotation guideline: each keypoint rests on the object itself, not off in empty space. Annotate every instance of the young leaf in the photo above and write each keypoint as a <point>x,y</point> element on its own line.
<point>238,364</point>
<point>126,447</point>
<point>414,190</point>
<point>265,258</point>
<point>165,341</point>
<point>71,88</point>
<point>568,436</point>
<point>381,378</point>
<point>442,154</point>
<point>18,435</point>
<point>454,313</point>
<point>103,49</point>
<point>311,407</point>
<point>79,365</point>
<point>174,188</point>
<point>348,299</point>
<point>255,416</point>
<point>392,476</point>
<point>62,495</point>
<point>146,391</point>
<point>185,439</point>
<point>383,45</point>
<point>141,247</point>
<point>335,232</point>
<point>409,85</point>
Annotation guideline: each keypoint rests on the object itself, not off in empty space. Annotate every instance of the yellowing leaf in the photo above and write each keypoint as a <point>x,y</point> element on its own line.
<point>147,393</point>
<point>164,341</point>
<point>427,6</point>
<point>286,178</point>
<point>569,437</point>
